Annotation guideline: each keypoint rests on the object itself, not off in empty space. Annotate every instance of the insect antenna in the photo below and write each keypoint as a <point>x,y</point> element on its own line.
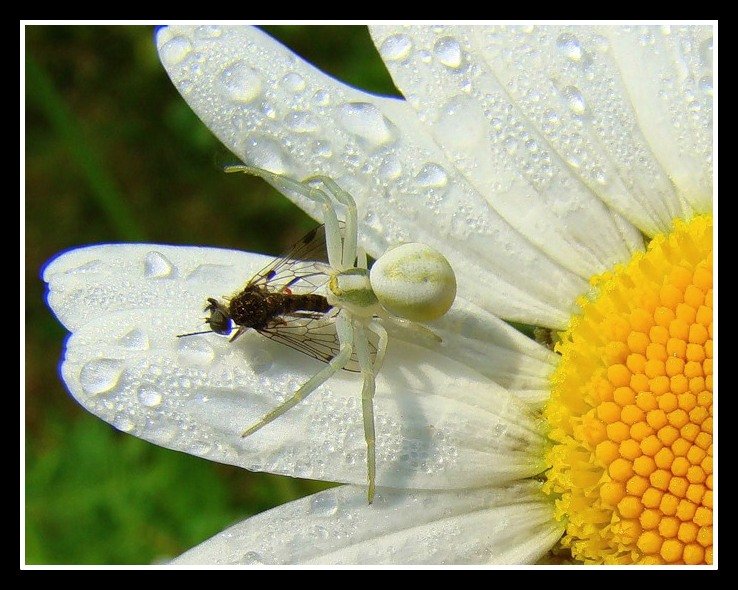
<point>194,333</point>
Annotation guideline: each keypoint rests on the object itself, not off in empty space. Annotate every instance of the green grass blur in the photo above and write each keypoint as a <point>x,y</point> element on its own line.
<point>114,154</point>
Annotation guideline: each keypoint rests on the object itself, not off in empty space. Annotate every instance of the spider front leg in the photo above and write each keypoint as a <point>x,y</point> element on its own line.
<point>346,337</point>
<point>334,243</point>
<point>350,234</point>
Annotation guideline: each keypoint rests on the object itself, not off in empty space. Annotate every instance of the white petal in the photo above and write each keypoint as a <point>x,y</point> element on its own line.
<point>510,525</point>
<point>439,423</point>
<point>485,343</point>
<point>275,111</point>
<point>668,74</point>
<point>499,102</point>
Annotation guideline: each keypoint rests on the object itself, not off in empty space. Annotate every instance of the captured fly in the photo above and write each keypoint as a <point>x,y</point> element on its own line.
<point>280,303</point>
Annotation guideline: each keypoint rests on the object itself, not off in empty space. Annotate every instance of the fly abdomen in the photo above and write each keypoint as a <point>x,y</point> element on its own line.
<point>257,308</point>
<point>310,302</point>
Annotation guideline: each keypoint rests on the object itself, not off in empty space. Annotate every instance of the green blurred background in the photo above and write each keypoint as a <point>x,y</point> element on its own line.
<point>114,154</point>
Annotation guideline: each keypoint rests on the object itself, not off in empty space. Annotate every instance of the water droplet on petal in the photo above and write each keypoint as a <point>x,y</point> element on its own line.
<point>390,169</point>
<point>448,52</point>
<point>570,46</point>
<point>425,56</point>
<point>156,266</point>
<point>264,152</point>
<point>239,82</point>
<point>396,47</point>
<point>706,52</point>
<point>87,267</point>
<point>366,122</point>
<point>600,176</point>
<point>706,85</point>
<point>323,505</point>
<point>293,82</point>
<point>460,124</point>
<point>323,149</point>
<point>175,50</point>
<point>432,176</point>
<point>123,423</point>
<point>302,122</point>
<point>574,100</point>
<point>252,558</point>
<point>208,31</point>
<point>322,98</point>
<point>135,340</point>
<point>149,397</point>
<point>510,144</point>
<point>100,375</point>
<point>260,361</point>
<point>199,448</point>
<point>195,350</point>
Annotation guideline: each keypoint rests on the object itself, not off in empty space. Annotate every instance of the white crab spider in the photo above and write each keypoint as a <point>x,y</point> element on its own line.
<point>413,282</point>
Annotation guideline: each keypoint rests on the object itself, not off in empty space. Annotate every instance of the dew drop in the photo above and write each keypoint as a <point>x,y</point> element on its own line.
<point>425,56</point>
<point>574,100</point>
<point>266,153</point>
<point>260,361</point>
<point>551,117</point>
<point>323,505</point>
<point>195,350</point>
<point>511,145</point>
<point>157,266</point>
<point>323,149</point>
<point>301,122</point>
<point>199,448</point>
<point>209,31</point>
<point>366,122</point>
<point>448,52</point>
<point>87,267</point>
<point>252,558</point>
<point>706,52</point>
<point>175,50</point>
<point>390,169</point>
<point>293,82</point>
<point>600,176</point>
<point>135,340</point>
<point>239,82</point>
<point>322,98</point>
<point>432,176</point>
<point>459,125</point>
<point>600,43</point>
<point>123,423</point>
<point>149,397</point>
<point>396,47</point>
<point>100,375</point>
<point>570,47</point>
<point>706,85</point>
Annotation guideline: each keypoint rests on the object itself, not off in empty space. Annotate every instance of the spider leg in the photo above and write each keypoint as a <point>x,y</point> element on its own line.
<point>367,403</point>
<point>351,230</point>
<point>412,330</point>
<point>377,327</point>
<point>330,217</point>
<point>345,334</point>
<point>361,261</point>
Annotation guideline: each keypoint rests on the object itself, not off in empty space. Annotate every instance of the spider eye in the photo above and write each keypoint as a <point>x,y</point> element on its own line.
<point>219,322</point>
<point>414,281</point>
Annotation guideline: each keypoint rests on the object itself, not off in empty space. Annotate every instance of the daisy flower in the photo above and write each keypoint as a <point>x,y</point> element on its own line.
<point>566,173</point>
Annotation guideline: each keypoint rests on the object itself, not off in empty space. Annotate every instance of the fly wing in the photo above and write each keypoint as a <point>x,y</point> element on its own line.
<point>302,269</point>
<point>314,334</point>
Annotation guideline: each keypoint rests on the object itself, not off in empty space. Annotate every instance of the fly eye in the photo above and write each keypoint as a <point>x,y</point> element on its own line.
<point>219,322</point>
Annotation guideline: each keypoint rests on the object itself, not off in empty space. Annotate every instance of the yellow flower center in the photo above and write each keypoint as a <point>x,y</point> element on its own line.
<point>631,408</point>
